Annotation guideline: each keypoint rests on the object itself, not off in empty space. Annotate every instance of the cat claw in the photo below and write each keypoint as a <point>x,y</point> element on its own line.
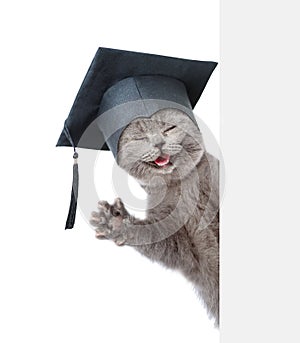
<point>103,205</point>
<point>120,242</point>
<point>100,235</point>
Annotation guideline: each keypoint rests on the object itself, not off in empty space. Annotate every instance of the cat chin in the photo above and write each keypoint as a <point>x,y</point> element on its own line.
<point>167,170</point>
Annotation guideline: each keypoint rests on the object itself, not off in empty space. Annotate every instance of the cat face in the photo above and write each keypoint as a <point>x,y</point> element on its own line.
<point>168,145</point>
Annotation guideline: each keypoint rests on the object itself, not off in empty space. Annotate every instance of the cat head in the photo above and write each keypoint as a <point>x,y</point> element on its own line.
<point>168,145</point>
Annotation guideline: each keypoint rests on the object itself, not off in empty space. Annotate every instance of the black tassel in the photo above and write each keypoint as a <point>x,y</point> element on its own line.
<point>74,194</point>
<point>73,203</point>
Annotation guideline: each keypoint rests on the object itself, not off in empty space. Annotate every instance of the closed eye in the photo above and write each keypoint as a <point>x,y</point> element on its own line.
<point>165,132</point>
<point>139,138</point>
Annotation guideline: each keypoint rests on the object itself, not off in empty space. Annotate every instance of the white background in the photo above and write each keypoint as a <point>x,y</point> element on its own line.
<point>65,286</point>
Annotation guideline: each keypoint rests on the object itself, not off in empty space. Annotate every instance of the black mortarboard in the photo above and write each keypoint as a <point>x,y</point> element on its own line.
<point>145,83</point>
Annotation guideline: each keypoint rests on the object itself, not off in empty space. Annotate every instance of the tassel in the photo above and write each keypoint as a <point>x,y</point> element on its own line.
<point>74,194</point>
<point>73,203</point>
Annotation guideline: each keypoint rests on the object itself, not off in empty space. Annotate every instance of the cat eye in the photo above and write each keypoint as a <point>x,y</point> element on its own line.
<point>139,138</point>
<point>165,132</point>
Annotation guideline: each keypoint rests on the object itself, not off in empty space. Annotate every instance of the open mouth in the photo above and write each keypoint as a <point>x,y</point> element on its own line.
<point>162,161</point>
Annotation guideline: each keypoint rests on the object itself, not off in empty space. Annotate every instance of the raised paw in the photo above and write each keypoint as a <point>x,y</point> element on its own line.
<point>109,221</point>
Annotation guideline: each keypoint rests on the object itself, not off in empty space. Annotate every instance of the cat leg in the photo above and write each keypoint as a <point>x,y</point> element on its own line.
<point>114,222</point>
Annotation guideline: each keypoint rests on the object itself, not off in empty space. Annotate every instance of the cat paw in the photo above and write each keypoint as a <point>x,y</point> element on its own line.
<point>109,221</point>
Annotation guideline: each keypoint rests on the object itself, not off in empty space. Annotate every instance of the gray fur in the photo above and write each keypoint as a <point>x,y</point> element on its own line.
<point>182,224</point>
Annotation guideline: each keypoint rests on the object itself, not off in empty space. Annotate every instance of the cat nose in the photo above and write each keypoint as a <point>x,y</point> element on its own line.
<point>158,141</point>
<point>159,145</point>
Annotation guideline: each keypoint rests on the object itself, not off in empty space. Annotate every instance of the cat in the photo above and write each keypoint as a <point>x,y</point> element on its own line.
<point>167,156</point>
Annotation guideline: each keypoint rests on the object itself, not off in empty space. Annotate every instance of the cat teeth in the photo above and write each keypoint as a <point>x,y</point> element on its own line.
<point>162,160</point>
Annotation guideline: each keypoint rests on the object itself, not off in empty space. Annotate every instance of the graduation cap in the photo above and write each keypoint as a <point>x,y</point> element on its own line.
<point>144,83</point>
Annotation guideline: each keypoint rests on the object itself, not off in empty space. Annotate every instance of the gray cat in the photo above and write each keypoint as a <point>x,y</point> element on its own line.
<point>166,154</point>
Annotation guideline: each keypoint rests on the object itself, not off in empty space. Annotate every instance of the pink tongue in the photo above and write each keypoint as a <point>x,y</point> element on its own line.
<point>162,160</point>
